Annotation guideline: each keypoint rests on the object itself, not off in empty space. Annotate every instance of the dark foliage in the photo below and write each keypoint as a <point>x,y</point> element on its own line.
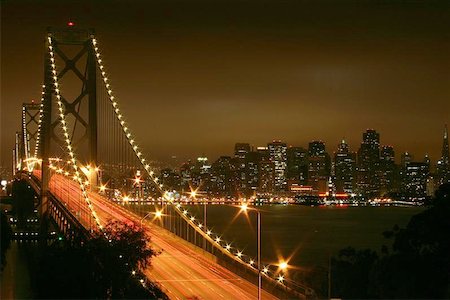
<point>351,272</point>
<point>23,201</point>
<point>5,235</point>
<point>101,268</point>
<point>417,265</point>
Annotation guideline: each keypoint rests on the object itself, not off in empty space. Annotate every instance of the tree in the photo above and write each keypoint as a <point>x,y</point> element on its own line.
<point>5,235</point>
<point>106,266</point>
<point>351,273</point>
<point>121,250</point>
<point>418,265</point>
<point>23,201</point>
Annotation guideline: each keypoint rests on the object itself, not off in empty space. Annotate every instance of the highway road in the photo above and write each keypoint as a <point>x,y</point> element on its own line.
<point>182,272</point>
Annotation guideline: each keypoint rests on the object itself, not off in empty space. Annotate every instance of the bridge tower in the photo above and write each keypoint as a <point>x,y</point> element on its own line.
<point>30,126</point>
<point>18,152</point>
<point>76,63</point>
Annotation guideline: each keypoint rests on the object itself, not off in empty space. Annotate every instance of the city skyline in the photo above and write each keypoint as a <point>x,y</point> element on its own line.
<point>330,149</point>
<point>251,72</point>
<point>234,149</point>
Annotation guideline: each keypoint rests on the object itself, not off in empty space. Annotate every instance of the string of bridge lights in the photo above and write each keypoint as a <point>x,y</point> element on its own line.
<point>25,135</point>
<point>223,246</point>
<point>41,112</point>
<point>63,123</point>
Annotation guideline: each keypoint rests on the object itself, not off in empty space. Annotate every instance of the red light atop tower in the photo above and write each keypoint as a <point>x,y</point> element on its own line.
<point>70,23</point>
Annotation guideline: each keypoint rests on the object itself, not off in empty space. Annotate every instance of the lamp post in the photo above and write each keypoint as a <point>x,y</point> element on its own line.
<point>259,255</point>
<point>244,208</point>
<point>204,222</point>
<point>157,214</point>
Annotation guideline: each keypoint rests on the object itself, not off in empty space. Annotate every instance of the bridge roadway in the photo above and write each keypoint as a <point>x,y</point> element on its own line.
<point>182,272</point>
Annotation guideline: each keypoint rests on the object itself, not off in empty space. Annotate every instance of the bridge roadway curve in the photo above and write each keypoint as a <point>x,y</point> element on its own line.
<point>182,272</point>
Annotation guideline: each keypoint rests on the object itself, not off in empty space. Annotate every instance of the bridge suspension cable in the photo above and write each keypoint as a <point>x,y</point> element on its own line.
<point>68,142</point>
<point>223,246</point>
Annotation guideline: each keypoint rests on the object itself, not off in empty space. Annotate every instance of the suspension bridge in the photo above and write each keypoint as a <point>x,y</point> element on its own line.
<point>77,151</point>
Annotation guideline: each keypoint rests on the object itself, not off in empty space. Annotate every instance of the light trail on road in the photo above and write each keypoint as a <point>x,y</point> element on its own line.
<point>182,272</point>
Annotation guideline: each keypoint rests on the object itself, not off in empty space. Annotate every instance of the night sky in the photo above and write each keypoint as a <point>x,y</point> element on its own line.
<point>194,77</point>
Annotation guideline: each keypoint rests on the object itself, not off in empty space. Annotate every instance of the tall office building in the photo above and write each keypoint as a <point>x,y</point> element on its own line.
<point>406,159</point>
<point>171,179</point>
<point>297,165</point>
<point>266,175</point>
<point>223,178</point>
<point>186,173</point>
<point>368,182</point>
<point>252,172</point>
<point>278,155</point>
<point>443,165</point>
<point>344,169</point>
<point>240,152</point>
<point>388,171</point>
<point>264,151</point>
<point>241,149</point>
<point>319,167</point>
<point>415,180</point>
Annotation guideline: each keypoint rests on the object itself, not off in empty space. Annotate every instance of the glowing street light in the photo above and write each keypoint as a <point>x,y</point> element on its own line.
<point>158,214</point>
<point>244,208</point>
<point>280,278</point>
<point>283,265</point>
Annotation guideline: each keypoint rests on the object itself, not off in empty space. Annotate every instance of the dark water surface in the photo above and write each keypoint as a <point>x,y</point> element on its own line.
<point>306,234</point>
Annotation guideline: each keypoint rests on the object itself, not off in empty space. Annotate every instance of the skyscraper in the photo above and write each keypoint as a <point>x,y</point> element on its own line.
<point>240,152</point>
<point>319,167</point>
<point>368,183</point>
<point>223,179</point>
<point>297,165</point>
<point>252,172</point>
<point>406,159</point>
<point>389,171</point>
<point>443,164</point>
<point>278,155</point>
<point>266,175</point>
<point>414,181</point>
<point>344,169</point>
<point>241,149</point>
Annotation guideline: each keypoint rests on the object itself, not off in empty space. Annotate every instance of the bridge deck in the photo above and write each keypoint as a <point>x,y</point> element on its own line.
<point>181,271</point>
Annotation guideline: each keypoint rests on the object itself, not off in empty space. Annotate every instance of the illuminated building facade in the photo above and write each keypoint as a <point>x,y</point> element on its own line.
<point>223,177</point>
<point>297,165</point>
<point>319,167</point>
<point>252,172</point>
<point>240,152</point>
<point>443,164</point>
<point>344,169</point>
<point>389,174</point>
<point>368,181</point>
<point>414,181</point>
<point>266,175</point>
<point>278,155</point>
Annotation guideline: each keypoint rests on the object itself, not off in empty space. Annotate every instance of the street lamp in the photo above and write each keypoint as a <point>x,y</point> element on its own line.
<point>244,208</point>
<point>193,194</point>
<point>158,214</point>
<point>283,265</point>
